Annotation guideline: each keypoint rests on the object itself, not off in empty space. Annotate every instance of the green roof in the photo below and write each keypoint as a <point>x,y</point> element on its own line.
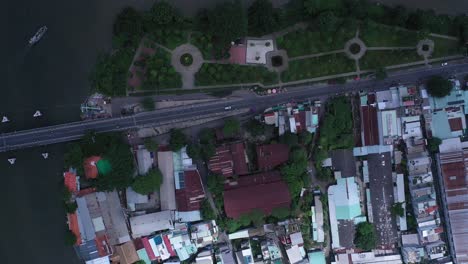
<point>103,166</point>
<point>316,257</point>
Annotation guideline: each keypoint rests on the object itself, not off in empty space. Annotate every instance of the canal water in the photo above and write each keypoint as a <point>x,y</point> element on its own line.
<point>52,77</point>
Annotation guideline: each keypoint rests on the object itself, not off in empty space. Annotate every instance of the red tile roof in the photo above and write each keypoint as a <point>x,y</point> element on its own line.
<point>148,249</point>
<point>254,179</point>
<point>455,124</point>
<point>238,54</point>
<point>369,122</point>
<point>74,227</point>
<point>264,197</point>
<point>90,167</point>
<point>167,242</point>
<point>229,160</point>
<point>103,246</point>
<point>191,196</point>
<point>270,156</point>
<point>70,181</point>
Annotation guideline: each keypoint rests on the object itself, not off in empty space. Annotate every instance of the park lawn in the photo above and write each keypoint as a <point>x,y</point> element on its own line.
<point>159,72</point>
<point>378,35</point>
<point>169,38</point>
<point>317,67</point>
<point>306,42</point>
<point>203,43</point>
<point>445,47</point>
<point>216,74</point>
<point>381,58</point>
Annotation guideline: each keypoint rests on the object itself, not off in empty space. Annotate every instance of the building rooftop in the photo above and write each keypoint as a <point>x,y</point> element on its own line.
<point>167,189</point>
<point>90,167</point>
<point>264,197</point>
<point>70,181</point>
<point>144,160</point>
<point>144,225</point>
<point>370,127</point>
<point>272,155</point>
<point>344,161</point>
<point>382,198</point>
<point>127,253</point>
<point>317,257</point>
<point>229,160</point>
<point>190,197</point>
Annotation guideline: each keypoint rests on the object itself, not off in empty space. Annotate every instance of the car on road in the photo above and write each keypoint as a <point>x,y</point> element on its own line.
<point>444,63</point>
<point>228,108</point>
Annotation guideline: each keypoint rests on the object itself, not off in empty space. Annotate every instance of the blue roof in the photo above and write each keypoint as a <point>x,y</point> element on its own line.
<point>440,126</point>
<point>347,202</point>
<point>455,98</point>
<point>316,257</point>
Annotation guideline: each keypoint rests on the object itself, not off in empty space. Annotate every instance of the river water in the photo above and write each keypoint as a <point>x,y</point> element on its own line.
<point>52,77</point>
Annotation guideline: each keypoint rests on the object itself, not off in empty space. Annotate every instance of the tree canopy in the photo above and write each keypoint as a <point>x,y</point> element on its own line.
<point>397,209</point>
<point>150,144</point>
<point>148,183</point>
<point>231,127</point>
<point>178,139</point>
<point>227,22</point>
<point>206,211</point>
<point>262,18</point>
<point>70,238</point>
<point>295,172</point>
<point>438,86</point>
<point>162,14</point>
<point>129,23</point>
<point>289,139</point>
<point>365,237</point>
<point>433,144</point>
<point>381,73</point>
<point>328,22</point>
<point>314,7</point>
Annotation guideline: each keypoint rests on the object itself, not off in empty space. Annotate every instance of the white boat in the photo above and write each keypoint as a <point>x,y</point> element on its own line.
<point>45,155</point>
<point>37,114</point>
<point>5,119</point>
<point>12,160</point>
<point>38,35</point>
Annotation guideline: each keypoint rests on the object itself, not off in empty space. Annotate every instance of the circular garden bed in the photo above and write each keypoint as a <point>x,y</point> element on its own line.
<point>186,59</point>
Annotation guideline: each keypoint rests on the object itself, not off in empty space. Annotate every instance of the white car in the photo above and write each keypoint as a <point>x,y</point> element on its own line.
<point>444,63</point>
<point>228,108</point>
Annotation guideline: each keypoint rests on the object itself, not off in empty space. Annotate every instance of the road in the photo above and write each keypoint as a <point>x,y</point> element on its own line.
<point>72,131</point>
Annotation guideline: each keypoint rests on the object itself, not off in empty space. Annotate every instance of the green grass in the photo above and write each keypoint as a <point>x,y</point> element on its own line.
<point>318,66</point>
<point>304,42</point>
<point>445,47</point>
<point>169,38</point>
<point>215,74</point>
<point>374,59</point>
<point>203,43</point>
<point>378,35</point>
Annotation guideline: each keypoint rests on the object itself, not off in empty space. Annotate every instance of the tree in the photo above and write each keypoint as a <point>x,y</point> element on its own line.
<point>70,238</point>
<point>74,157</point>
<point>208,151</point>
<point>261,18</point>
<point>70,207</point>
<point>206,211</point>
<point>206,136</point>
<point>148,104</point>
<point>305,138</point>
<point>121,175</point>
<point>129,23</point>
<point>289,139</point>
<point>438,86</point>
<point>314,7</point>
<point>140,262</point>
<point>397,209</point>
<point>227,22</point>
<point>433,144</point>
<point>327,22</point>
<point>150,144</point>
<point>381,73</point>
<point>178,139</point>
<point>162,13</point>
<point>194,151</point>
<point>148,183</point>
<point>281,213</point>
<point>215,184</point>
<point>365,237</point>
<point>231,127</point>
<point>255,128</point>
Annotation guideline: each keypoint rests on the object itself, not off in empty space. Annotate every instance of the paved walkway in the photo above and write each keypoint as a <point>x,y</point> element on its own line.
<point>277,34</point>
<point>391,48</point>
<point>316,55</point>
<point>187,72</point>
